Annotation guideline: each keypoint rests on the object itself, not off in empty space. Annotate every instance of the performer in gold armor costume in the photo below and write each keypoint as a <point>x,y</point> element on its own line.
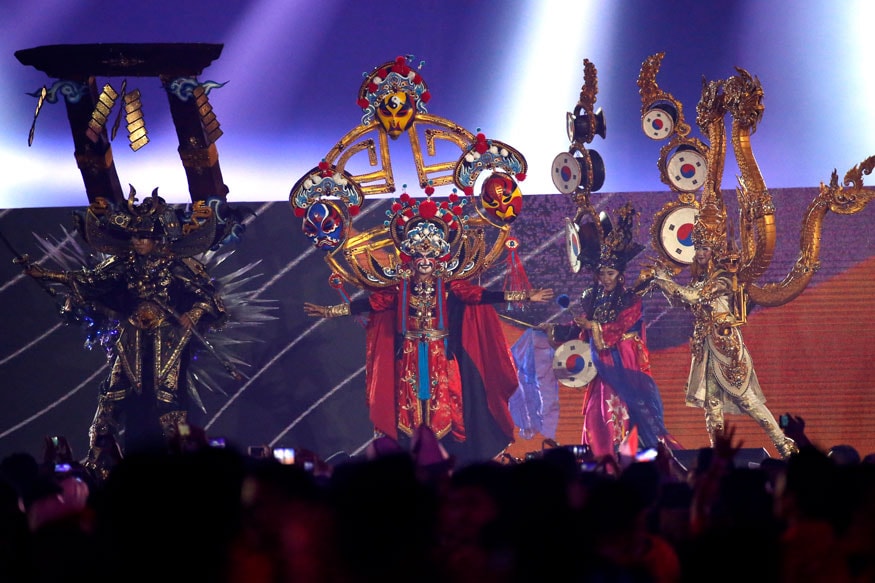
<point>152,297</point>
<point>722,377</point>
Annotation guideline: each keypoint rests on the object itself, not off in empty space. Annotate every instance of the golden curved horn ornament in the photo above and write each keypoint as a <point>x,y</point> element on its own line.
<point>830,198</point>
<point>741,97</point>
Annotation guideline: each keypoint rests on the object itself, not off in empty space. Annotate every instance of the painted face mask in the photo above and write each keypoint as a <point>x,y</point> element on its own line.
<point>396,113</point>
<point>502,197</point>
<point>323,225</point>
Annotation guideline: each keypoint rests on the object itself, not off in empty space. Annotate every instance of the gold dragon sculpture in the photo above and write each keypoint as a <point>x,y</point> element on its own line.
<point>688,165</point>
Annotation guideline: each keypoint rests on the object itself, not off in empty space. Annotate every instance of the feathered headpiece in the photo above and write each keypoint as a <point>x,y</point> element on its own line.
<point>610,244</point>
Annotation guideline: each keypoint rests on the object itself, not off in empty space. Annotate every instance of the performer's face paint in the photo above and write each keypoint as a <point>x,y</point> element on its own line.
<point>396,113</point>
<point>323,225</point>
<point>424,265</point>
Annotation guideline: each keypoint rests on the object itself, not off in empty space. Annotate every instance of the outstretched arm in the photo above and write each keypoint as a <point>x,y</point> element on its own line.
<point>38,272</point>
<point>318,311</point>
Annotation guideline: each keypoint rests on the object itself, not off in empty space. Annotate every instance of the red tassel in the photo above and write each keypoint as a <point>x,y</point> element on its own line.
<point>516,278</point>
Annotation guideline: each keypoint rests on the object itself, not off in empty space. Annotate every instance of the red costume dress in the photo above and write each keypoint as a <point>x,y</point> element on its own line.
<point>436,355</point>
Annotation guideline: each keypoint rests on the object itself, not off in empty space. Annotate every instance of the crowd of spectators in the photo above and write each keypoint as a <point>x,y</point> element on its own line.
<point>201,513</point>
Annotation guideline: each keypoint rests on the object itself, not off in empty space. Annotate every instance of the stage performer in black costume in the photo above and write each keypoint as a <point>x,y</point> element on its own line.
<point>153,299</point>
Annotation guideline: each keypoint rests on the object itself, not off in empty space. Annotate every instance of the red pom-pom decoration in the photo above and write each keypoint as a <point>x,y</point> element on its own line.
<point>396,206</point>
<point>481,145</point>
<point>417,78</point>
<point>405,198</point>
<point>445,205</point>
<point>429,190</point>
<point>454,197</point>
<point>457,210</point>
<point>425,97</point>
<point>354,210</point>
<point>364,103</point>
<point>469,190</point>
<point>427,209</point>
<point>299,212</point>
<point>323,165</point>
<point>521,176</point>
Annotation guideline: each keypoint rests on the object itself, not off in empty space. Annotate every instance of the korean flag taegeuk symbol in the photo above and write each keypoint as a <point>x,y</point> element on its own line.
<point>572,364</point>
<point>567,173</point>
<point>676,234</point>
<point>686,169</point>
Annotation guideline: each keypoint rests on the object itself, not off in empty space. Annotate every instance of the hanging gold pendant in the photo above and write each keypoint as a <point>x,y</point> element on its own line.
<point>101,112</point>
<point>134,117</point>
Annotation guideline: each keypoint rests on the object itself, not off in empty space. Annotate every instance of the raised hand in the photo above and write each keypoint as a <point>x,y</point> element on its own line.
<point>541,295</point>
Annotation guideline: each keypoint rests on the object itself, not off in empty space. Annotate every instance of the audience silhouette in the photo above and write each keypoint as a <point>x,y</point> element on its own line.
<point>195,512</point>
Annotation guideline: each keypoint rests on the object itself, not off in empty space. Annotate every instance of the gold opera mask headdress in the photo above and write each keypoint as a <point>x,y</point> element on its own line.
<point>394,93</point>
